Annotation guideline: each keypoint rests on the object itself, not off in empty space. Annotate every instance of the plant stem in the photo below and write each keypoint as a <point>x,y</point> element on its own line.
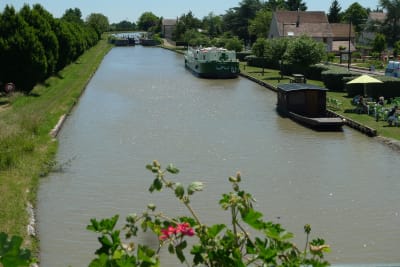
<point>234,225</point>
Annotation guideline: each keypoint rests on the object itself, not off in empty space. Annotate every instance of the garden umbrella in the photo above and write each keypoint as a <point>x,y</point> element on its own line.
<point>364,79</point>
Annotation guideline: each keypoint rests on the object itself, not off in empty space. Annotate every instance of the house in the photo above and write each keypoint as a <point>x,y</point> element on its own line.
<point>341,34</point>
<point>168,27</point>
<point>314,24</point>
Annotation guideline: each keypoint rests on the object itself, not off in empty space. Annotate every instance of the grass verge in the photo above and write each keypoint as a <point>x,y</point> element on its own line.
<point>27,149</point>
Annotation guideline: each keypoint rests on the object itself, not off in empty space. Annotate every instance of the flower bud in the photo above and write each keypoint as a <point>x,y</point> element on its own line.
<point>238,177</point>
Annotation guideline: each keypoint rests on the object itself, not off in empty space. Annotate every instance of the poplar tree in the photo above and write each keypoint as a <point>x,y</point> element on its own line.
<point>42,27</point>
<point>22,56</point>
<point>334,15</point>
<point>294,5</point>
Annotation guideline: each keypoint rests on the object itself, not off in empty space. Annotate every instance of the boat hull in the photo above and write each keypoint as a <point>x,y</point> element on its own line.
<point>318,123</point>
<point>217,70</point>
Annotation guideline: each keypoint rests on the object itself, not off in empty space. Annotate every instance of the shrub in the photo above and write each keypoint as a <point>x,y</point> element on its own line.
<point>388,89</point>
<point>333,78</point>
<point>215,245</point>
<point>11,253</point>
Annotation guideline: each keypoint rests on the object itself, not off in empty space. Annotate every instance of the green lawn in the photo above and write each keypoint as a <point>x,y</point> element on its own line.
<point>272,77</point>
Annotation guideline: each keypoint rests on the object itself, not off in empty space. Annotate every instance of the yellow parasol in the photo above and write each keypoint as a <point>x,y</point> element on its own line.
<point>364,79</point>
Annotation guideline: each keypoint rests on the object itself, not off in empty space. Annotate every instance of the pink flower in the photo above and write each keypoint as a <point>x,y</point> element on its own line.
<point>167,232</point>
<point>182,229</point>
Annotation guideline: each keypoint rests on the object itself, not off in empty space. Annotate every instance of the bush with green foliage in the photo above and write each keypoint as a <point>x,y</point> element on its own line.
<point>11,253</point>
<point>388,89</point>
<point>34,45</point>
<point>333,78</point>
<point>304,51</point>
<point>215,245</point>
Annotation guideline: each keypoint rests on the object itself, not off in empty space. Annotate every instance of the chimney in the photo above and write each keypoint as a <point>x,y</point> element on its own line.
<point>298,18</point>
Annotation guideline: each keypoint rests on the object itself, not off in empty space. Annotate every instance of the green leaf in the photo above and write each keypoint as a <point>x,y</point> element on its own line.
<point>11,254</point>
<point>252,218</point>
<point>102,261</point>
<point>94,226</point>
<point>214,230</point>
<point>146,255</point>
<point>195,186</point>
<point>126,261</point>
<point>157,185</point>
<point>118,254</point>
<point>286,235</point>
<point>179,191</point>
<point>171,249</point>
<point>104,240</point>
<point>179,251</point>
<point>149,167</point>
<point>172,169</point>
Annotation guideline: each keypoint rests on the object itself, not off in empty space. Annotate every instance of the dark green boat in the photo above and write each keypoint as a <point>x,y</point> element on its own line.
<point>212,62</point>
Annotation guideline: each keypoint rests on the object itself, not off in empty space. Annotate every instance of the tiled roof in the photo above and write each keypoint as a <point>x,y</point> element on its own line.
<point>170,22</point>
<point>341,30</point>
<point>379,16</point>
<point>304,16</point>
<point>309,29</point>
<point>297,23</point>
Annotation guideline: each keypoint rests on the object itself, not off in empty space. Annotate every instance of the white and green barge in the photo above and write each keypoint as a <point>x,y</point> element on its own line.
<point>212,62</point>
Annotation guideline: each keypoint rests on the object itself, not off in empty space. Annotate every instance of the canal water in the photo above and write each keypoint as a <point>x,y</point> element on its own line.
<point>143,105</point>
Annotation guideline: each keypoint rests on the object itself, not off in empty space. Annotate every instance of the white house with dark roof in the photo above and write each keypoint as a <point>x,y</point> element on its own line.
<point>314,24</point>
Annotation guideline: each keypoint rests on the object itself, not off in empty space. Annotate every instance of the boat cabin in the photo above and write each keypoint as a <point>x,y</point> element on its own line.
<point>304,99</point>
<point>210,54</point>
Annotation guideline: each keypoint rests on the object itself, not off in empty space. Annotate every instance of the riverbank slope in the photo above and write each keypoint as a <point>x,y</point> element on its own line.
<point>28,148</point>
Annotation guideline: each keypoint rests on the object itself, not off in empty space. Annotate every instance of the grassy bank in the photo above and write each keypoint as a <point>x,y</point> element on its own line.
<point>27,149</point>
<point>273,77</point>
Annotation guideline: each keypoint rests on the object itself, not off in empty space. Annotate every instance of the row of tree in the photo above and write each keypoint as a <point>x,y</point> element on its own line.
<point>34,45</point>
<point>251,19</point>
<point>358,15</point>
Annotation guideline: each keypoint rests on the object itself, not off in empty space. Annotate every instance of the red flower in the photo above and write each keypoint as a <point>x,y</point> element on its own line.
<point>181,228</point>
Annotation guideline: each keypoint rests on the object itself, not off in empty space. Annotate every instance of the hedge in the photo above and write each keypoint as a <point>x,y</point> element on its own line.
<point>390,88</point>
<point>333,78</point>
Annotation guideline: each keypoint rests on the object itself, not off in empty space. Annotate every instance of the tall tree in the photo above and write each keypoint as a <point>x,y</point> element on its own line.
<point>259,26</point>
<point>237,19</point>
<point>392,8</point>
<point>99,22</point>
<point>41,23</point>
<point>123,25</point>
<point>212,24</point>
<point>66,40</point>
<point>294,5</point>
<point>147,20</point>
<point>21,53</point>
<point>185,23</point>
<point>334,15</point>
<point>379,43</point>
<point>73,15</point>
<point>274,5</point>
<point>357,15</point>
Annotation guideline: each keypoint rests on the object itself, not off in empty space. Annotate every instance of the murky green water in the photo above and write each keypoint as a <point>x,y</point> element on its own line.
<point>143,105</point>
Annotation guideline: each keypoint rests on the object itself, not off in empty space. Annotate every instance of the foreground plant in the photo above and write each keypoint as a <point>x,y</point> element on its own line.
<point>215,245</point>
<point>11,252</point>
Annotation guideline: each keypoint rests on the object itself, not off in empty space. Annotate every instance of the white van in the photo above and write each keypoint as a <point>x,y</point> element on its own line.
<point>393,69</point>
